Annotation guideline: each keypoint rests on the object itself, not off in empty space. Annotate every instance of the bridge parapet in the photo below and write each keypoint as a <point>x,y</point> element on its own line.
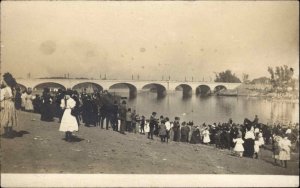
<point>132,84</point>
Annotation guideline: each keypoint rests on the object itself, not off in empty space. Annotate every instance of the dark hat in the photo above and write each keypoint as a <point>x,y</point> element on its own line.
<point>10,80</point>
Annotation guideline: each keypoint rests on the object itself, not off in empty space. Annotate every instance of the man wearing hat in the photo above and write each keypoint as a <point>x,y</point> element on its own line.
<point>152,123</point>
<point>122,117</point>
<point>176,129</point>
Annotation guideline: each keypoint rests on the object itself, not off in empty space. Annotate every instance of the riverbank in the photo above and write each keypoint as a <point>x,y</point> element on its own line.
<point>40,148</point>
<point>247,91</point>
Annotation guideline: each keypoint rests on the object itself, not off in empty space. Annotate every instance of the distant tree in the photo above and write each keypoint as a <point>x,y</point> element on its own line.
<point>227,76</point>
<point>282,77</point>
<point>245,78</point>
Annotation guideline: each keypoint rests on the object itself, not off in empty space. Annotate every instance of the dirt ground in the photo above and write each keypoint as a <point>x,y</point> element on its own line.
<point>40,148</point>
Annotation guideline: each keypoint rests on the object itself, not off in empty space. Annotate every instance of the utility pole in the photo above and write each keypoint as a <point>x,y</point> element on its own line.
<point>162,77</point>
<point>138,77</point>
<point>192,78</point>
<point>169,77</point>
<point>132,77</point>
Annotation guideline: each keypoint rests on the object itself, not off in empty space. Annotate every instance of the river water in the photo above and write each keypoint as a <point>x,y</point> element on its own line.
<point>212,109</point>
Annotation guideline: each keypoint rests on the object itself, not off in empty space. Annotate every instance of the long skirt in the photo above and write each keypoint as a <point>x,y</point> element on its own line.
<point>176,136</point>
<point>68,122</point>
<point>171,135</point>
<point>284,155</point>
<point>8,114</point>
<point>47,113</point>
<point>184,138</point>
<point>249,148</point>
<point>195,138</point>
<point>206,139</point>
<point>28,105</point>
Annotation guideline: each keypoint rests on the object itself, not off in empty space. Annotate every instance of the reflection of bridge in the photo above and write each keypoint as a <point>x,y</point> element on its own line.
<point>162,87</point>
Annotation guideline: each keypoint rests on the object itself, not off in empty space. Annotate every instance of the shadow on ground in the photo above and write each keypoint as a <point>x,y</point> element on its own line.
<point>74,139</point>
<point>14,134</point>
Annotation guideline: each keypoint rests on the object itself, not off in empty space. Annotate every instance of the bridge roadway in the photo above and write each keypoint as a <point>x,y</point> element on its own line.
<point>162,87</point>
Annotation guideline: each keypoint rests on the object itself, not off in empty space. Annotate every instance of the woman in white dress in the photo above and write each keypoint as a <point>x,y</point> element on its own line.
<point>206,134</point>
<point>28,100</point>
<point>8,114</point>
<point>68,122</point>
<point>147,127</point>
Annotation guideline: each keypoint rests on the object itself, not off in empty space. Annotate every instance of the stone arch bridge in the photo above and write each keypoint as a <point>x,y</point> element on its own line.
<point>161,87</point>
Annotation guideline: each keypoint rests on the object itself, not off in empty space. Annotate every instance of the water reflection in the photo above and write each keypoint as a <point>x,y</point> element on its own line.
<point>212,109</point>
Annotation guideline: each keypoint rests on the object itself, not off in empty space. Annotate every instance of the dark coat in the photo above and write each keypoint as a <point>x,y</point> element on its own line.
<point>162,130</point>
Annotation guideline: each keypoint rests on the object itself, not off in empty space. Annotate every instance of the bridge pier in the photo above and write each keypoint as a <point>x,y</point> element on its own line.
<point>161,92</point>
<point>187,93</point>
<point>132,93</point>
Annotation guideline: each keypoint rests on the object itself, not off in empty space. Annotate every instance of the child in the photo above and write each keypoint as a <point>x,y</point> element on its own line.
<point>138,122</point>
<point>257,143</point>
<point>239,148</point>
<point>147,128</point>
<point>275,147</point>
<point>142,125</point>
<point>261,138</point>
<point>162,131</point>
<point>284,150</point>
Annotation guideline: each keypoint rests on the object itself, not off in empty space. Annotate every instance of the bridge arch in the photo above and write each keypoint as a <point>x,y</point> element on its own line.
<point>53,86</point>
<point>132,88</point>
<point>160,89</point>
<point>89,86</point>
<point>219,88</point>
<point>203,90</point>
<point>187,90</point>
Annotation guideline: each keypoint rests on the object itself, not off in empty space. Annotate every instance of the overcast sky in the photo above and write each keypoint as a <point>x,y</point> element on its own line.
<point>86,39</point>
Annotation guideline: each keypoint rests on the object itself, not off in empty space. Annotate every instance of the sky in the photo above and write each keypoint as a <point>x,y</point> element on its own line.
<point>149,39</point>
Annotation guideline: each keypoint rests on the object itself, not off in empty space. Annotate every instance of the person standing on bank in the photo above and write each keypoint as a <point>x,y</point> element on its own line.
<point>176,129</point>
<point>122,117</point>
<point>8,115</point>
<point>68,121</point>
<point>152,123</point>
<point>128,120</point>
<point>46,111</point>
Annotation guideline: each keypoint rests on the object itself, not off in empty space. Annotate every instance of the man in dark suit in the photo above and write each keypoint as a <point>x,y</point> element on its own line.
<point>122,117</point>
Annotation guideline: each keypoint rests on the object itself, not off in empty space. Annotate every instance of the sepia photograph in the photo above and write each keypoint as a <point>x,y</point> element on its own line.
<point>149,93</point>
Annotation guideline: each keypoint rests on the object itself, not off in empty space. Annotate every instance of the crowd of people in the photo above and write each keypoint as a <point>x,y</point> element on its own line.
<point>74,109</point>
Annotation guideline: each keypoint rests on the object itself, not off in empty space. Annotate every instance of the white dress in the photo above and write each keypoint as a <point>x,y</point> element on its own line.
<point>28,102</point>
<point>285,152</point>
<point>206,138</point>
<point>257,143</point>
<point>261,139</point>
<point>23,96</point>
<point>68,122</point>
<point>146,128</point>
<point>238,144</point>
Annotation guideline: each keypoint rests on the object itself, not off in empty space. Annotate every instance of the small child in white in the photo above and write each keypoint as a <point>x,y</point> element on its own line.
<point>257,144</point>
<point>239,148</point>
<point>147,127</point>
